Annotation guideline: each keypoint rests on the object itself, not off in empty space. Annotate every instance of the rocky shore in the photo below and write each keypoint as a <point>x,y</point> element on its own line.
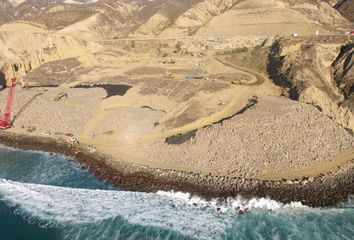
<point>323,190</point>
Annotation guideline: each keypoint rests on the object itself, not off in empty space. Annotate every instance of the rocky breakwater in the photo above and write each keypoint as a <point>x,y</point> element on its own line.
<point>325,189</point>
<point>20,52</point>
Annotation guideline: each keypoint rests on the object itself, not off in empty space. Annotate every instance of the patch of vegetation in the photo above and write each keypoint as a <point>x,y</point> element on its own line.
<point>233,51</point>
<point>163,45</point>
<point>258,47</point>
<point>132,44</point>
<point>178,46</point>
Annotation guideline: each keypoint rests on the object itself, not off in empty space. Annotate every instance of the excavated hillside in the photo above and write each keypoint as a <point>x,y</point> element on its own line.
<point>16,58</point>
<point>120,18</point>
<point>317,71</point>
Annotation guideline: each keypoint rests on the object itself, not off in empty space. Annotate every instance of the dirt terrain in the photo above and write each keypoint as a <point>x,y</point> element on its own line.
<point>252,101</point>
<point>179,105</point>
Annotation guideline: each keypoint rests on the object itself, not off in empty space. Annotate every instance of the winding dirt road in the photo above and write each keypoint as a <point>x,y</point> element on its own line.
<point>241,95</point>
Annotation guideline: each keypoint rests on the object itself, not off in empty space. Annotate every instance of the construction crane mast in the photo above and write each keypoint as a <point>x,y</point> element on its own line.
<point>5,121</point>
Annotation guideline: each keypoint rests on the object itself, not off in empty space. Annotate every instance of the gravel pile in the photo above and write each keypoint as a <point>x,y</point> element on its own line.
<point>45,115</point>
<point>274,135</point>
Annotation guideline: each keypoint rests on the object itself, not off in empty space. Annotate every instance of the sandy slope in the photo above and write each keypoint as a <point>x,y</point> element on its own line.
<point>22,26</point>
<point>268,18</point>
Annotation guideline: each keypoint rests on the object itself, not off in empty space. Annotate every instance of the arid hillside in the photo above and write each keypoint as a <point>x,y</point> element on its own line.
<point>346,8</point>
<point>114,19</point>
<point>4,12</point>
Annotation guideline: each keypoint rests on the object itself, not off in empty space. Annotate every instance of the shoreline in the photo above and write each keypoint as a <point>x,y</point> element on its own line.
<point>324,190</point>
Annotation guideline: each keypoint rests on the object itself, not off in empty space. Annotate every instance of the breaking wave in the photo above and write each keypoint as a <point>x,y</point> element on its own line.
<point>53,206</point>
<point>55,193</point>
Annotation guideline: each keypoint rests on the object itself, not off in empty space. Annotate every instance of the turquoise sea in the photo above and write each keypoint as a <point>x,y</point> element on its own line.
<point>45,197</point>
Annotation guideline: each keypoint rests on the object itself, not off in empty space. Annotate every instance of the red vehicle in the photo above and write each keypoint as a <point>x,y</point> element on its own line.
<point>351,32</point>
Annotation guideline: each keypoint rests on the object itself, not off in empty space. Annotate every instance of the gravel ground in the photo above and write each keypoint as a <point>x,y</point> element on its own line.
<point>325,190</point>
<point>274,135</point>
<point>41,112</point>
<point>129,122</point>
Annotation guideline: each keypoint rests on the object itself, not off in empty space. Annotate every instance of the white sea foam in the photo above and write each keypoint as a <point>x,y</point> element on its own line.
<point>68,206</point>
<point>232,204</point>
<point>93,213</point>
<point>98,214</point>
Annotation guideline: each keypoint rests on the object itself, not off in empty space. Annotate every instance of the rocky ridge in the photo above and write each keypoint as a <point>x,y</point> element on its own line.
<point>109,19</point>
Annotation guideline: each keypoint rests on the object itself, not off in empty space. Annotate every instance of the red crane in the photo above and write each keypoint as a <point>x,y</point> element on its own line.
<point>5,121</point>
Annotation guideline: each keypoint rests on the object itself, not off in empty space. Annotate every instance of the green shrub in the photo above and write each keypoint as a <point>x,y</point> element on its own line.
<point>258,47</point>
<point>132,44</point>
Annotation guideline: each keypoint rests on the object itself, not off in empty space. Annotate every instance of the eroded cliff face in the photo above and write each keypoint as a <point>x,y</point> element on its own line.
<point>109,19</point>
<point>319,11</point>
<point>343,69</point>
<point>22,52</point>
<point>317,71</point>
<point>154,17</point>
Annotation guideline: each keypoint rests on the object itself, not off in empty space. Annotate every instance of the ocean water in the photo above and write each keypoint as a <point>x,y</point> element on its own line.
<point>45,197</point>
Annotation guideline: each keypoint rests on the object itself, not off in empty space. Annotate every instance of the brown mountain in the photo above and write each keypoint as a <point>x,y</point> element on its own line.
<point>120,18</point>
